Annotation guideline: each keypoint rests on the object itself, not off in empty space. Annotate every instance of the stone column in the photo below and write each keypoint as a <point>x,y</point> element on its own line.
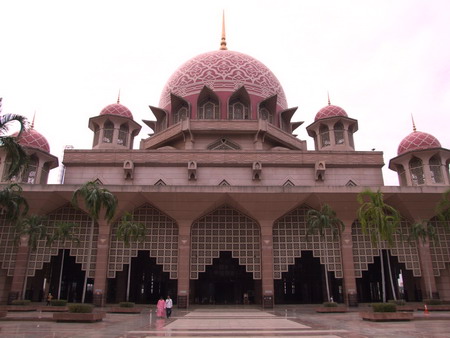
<point>101,265</point>
<point>428,280</point>
<point>267,264</point>
<point>348,267</point>
<point>184,254</point>
<point>20,271</point>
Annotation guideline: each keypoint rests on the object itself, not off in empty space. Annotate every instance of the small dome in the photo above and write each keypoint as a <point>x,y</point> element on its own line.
<point>32,139</point>
<point>117,109</point>
<point>330,111</point>
<point>418,140</point>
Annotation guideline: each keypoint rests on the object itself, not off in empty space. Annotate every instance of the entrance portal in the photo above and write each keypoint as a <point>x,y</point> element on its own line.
<point>224,282</point>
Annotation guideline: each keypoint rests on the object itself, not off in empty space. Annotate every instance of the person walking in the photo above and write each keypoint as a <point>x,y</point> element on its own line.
<point>160,307</point>
<point>49,299</point>
<point>169,305</point>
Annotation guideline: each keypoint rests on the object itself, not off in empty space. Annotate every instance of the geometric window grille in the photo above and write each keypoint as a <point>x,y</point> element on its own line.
<point>225,229</point>
<point>289,240</point>
<point>161,241</point>
<point>440,247</point>
<point>364,251</point>
<point>288,183</point>
<point>8,247</point>
<point>80,250</point>
<point>223,144</point>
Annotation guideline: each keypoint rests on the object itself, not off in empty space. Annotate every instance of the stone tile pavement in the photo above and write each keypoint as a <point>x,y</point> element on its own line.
<point>230,321</point>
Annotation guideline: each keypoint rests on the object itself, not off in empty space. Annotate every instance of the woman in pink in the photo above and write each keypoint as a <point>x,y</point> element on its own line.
<point>161,308</point>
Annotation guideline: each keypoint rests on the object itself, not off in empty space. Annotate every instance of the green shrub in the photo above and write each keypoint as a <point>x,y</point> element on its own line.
<point>330,304</point>
<point>21,302</point>
<point>433,301</point>
<point>126,304</point>
<point>398,302</point>
<point>58,302</point>
<point>384,307</point>
<point>80,308</point>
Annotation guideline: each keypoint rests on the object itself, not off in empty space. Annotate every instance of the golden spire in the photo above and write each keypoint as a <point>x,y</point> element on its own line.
<point>118,97</point>
<point>414,125</point>
<point>223,41</point>
<point>32,122</point>
<point>329,102</point>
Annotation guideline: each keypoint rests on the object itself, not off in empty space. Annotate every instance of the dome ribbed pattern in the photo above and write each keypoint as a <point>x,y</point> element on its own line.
<point>330,111</point>
<point>33,139</point>
<point>418,140</point>
<point>117,109</point>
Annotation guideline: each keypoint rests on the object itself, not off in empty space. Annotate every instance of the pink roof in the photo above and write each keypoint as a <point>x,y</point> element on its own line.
<point>330,111</point>
<point>33,139</point>
<point>117,109</point>
<point>417,140</point>
<point>223,70</point>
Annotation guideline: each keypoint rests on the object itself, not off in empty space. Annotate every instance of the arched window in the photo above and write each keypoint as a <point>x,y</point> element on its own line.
<point>123,135</point>
<point>29,175</point>
<point>339,133</point>
<point>401,174</point>
<point>416,170</point>
<point>237,110</point>
<point>350,137</point>
<point>324,136</point>
<point>265,114</point>
<point>180,114</point>
<point>108,132</point>
<point>435,169</point>
<point>208,110</point>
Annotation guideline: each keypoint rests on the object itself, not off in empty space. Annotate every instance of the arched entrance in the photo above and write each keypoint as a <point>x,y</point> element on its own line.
<point>225,259</point>
<point>224,282</point>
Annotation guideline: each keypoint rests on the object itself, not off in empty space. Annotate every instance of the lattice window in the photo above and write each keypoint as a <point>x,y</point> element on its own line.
<point>364,251</point>
<point>289,240</point>
<point>8,247</point>
<point>225,229</point>
<point>440,248</point>
<point>161,241</point>
<point>44,252</point>
<point>223,144</point>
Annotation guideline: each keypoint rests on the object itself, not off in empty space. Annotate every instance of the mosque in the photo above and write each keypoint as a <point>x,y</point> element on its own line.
<point>223,186</point>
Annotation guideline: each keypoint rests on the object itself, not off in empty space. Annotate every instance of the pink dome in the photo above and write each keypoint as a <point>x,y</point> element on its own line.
<point>117,109</point>
<point>223,71</point>
<point>33,139</point>
<point>330,111</point>
<point>417,140</point>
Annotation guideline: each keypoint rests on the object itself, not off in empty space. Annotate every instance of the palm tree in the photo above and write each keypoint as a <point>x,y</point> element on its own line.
<point>318,222</point>
<point>15,154</point>
<point>127,231</point>
<point>95,199</point>
<point>443,208</point>
<point>64,232</point>
<point>13,203</point>
<point>34,229</point>
<point>380,221</point>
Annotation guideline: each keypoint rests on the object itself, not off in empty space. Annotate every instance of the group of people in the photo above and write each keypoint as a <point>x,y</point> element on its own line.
<point>164,307</point>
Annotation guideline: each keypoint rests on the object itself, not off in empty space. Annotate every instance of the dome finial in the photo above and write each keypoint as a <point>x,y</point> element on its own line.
<point>414,124</point>
<point>118,97</point>
<point>329,102</point>
<point>32,122</point>
<point>223,40</point>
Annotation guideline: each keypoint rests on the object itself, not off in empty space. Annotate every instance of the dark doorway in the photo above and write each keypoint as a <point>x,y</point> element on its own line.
<point>148,282</point>
<point>406,286</point>
<point>304,283</point>
<point>47,280</point>
<point>224,282</point>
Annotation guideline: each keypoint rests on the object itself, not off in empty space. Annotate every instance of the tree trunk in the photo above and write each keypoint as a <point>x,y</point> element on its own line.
<point>128,281</point>
<point>88,268</point>
<point>383,283</point>
<point>390,275</point>
<point>24,290</point>
<point>61,273</point>
<point>326,273</point>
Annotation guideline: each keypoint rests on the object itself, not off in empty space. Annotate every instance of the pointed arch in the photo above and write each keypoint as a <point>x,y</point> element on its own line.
<point>324,136</point>
<point>416,171</point>
<point>108,132</point>
<point>180,108</point>
<point>339,133</point>
<point>239,105</point>
<point>124,130</point>
<point>208,105</point>
<point>435,169</point>
<point>223,144</point>
<point>267,109</point>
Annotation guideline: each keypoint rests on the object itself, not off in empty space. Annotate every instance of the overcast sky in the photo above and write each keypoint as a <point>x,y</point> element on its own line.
<point>381,61</point>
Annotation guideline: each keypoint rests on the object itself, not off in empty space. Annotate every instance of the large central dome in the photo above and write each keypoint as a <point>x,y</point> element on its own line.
<point>223,71</point>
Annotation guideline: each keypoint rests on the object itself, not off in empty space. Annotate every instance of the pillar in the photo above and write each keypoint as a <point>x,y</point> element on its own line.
<point>184,254</point>
<point>348,267</point>
<point>267,264</point>
<point>101,265</point>
<point>20,271</point>
<point>428,281</point>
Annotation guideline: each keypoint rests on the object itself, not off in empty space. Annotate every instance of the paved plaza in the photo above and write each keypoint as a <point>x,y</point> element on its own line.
<point>283,321</point>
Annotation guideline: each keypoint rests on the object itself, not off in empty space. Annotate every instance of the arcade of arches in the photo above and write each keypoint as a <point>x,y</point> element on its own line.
<point>226,264</point>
